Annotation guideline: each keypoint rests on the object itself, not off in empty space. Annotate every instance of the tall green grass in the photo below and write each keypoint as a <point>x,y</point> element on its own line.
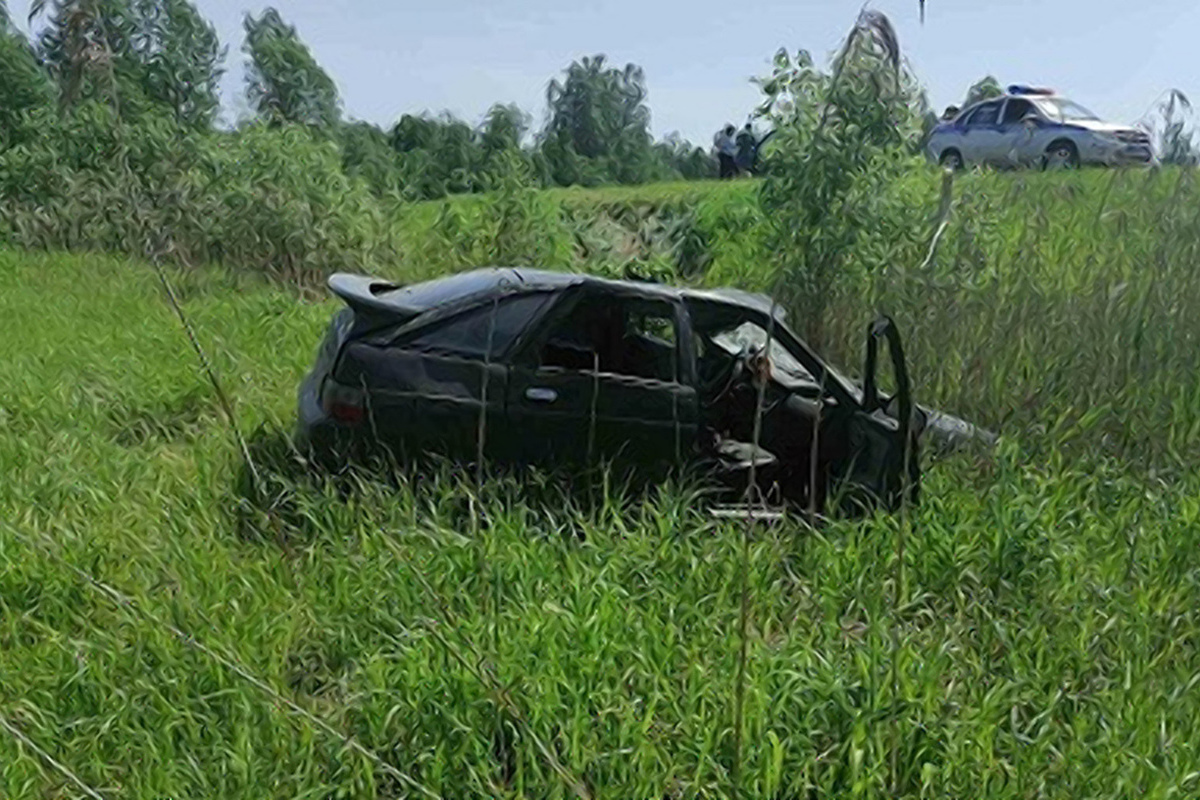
<point>1058,309</point>
<point>1047,620</point>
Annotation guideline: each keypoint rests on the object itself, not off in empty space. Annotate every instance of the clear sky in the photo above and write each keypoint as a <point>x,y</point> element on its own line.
<point>390,57</point>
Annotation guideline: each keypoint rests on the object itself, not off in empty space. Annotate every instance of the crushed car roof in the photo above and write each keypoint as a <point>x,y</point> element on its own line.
<point>380,295</point>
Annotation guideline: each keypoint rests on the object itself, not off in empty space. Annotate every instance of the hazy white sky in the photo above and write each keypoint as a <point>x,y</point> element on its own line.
<point>388,58</point>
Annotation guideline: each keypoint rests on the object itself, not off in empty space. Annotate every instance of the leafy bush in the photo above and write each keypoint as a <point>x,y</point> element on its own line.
<point>525,228</point>
<point>514,224</point>
<point>284,205</point>
<point>841,139</point>
<point>270,200</point>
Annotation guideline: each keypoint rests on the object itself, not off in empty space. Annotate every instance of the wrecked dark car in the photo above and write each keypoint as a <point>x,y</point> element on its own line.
<point>546,368</point>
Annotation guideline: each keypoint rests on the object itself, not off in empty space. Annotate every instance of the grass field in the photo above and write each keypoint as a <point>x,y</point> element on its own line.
<point>1041,637</point>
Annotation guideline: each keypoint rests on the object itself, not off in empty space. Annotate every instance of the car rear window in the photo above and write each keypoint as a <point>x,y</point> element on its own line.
<point>467,334</point>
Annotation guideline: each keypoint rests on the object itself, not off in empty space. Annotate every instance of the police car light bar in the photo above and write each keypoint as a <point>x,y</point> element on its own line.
<point>1019,89</point>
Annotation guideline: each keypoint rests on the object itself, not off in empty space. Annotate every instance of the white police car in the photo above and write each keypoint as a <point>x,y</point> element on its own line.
<point>1034,127</point>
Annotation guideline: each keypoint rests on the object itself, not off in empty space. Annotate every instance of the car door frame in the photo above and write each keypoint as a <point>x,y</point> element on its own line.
<point>987,138</point>
<point>858,439</point>
<point>573,433</point>
<point>1023,145</point>
<point>863,468</point>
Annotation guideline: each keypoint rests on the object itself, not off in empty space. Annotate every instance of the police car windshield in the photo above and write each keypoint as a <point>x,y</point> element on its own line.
<point>1061,110</point>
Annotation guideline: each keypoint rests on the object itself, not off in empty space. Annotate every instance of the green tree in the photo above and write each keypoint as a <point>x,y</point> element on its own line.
<point>414,132</point>
<point>503,128</point>
<point>180,57</point>
<point>457,155</point>
<point>1175,144</point>
<point>141,55</point>
<point>500,145</point>
<point>284,82</point>
<point>438,155</point>
<point>599,125</point>
<point>840,139</point>
<point>82,44</point>
<point>24,85</point>
<point>367,154</point>
<point>684,159</point>
<point>985,88</point>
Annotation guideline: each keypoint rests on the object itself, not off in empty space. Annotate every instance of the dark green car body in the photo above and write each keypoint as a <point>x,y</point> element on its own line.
<point>546,368</point>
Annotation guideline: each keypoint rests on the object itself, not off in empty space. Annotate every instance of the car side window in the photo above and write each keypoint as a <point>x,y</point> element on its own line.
<point>650,343</point>
<point>633,337</point>
<point>467,334</point>
<point>1016,110</point>
<point>985,115</point>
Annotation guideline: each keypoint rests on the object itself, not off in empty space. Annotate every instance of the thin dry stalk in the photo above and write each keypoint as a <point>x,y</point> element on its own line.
<point>483,392</point>
<point>675,405</point>
<point>490,575</point>
<point>943,216</point>
<point>591,445</point>
<point>744,612</point>
<point>739,697</point>
<point>814,456</point>
<point>206,365</point>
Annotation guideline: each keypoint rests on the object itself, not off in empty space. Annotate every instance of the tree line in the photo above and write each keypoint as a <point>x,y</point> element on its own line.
<point>162,58</point>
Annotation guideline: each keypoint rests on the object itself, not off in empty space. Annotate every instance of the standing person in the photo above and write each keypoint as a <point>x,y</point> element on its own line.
<point>746,144</point>
<point>726,150</point>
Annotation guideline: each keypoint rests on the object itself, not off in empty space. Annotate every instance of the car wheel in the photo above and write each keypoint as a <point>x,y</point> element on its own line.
<point>1061,155</point>
<point>951,159</point>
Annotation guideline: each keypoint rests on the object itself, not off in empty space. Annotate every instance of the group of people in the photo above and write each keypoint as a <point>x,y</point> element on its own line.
<point>736,150</point>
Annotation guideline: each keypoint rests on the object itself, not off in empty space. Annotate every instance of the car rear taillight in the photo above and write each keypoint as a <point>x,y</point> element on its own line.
<point>343,403</point>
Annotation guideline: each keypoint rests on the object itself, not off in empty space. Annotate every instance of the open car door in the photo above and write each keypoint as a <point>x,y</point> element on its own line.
<point>880,462</point>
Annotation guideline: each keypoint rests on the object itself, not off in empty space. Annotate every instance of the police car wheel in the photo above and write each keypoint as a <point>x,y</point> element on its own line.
<point>951,159</point>
<point>1062,155</point>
